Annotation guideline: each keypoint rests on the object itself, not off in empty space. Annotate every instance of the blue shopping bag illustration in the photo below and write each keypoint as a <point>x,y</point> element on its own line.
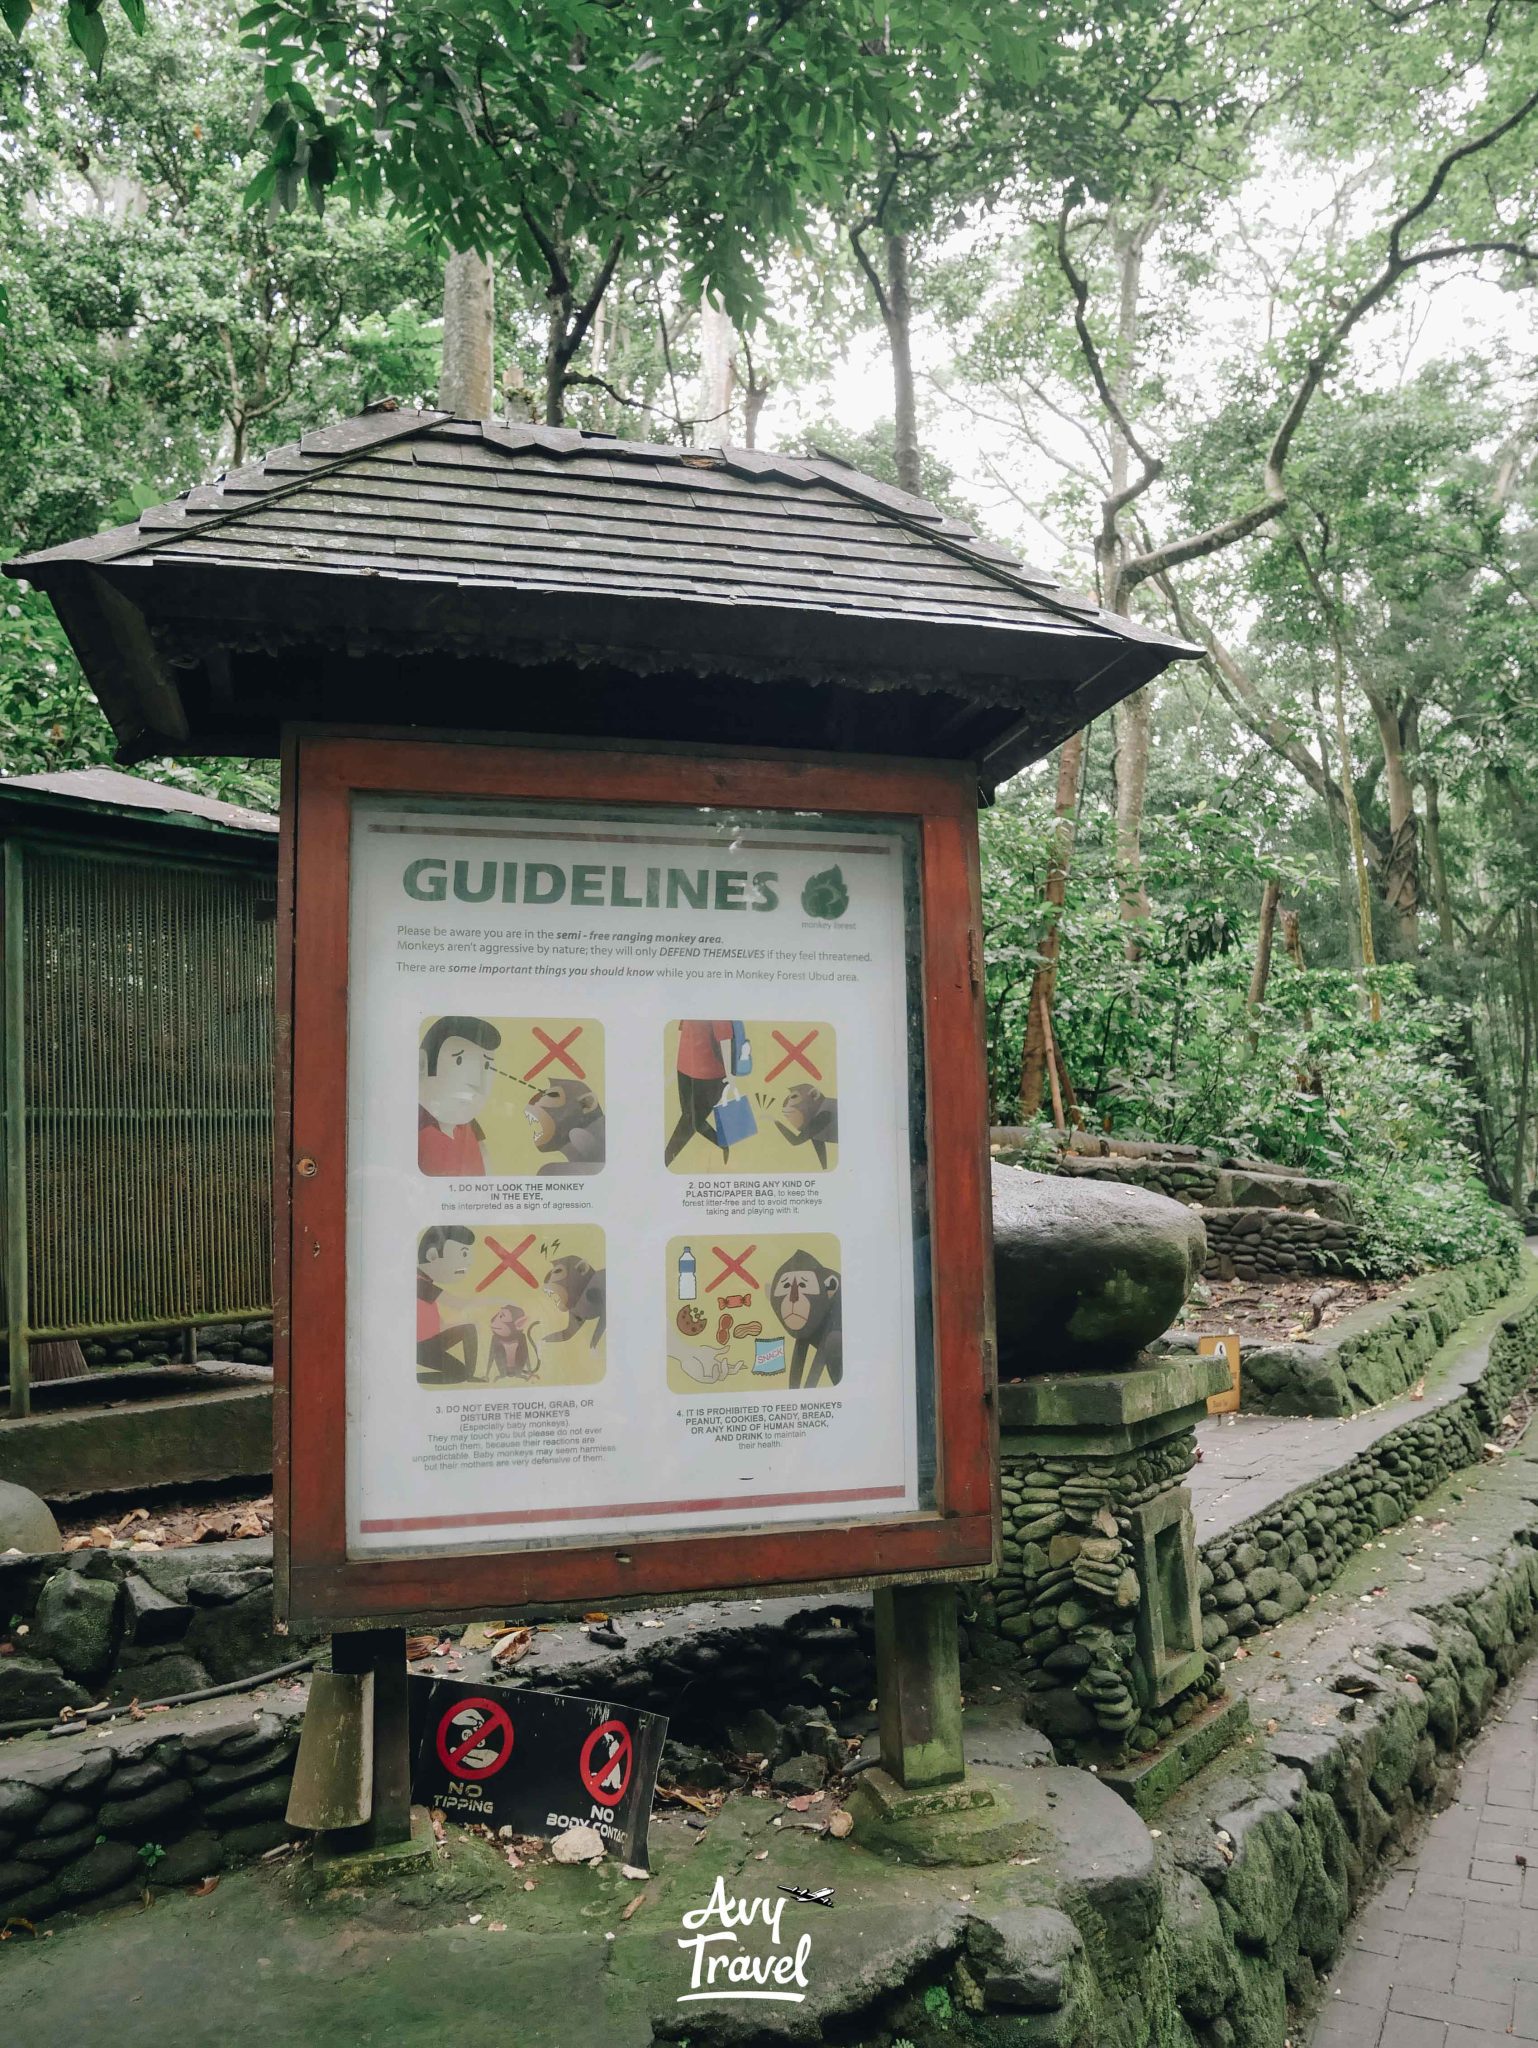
<point>735,1121</point>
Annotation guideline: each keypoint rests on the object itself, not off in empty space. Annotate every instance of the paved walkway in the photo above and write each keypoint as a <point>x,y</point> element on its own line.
<point>1446,1954</point>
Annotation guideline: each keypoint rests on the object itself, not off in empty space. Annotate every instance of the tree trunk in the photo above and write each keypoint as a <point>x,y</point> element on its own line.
<point>465,380</point>
<point>1335,818</point>
<point>1525,995</point>
<point>1439,889</point>
<point>899,327</point>
<point>1133,723</point>
<point>1270,896</point>
<point>1354,826</point>
<point>1036,1052</point>
<point>1399,876</point>
<point>718,346</point>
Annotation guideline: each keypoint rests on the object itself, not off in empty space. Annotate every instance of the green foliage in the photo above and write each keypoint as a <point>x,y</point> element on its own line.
<point>1164,1045</point>
<point>939,2005</point>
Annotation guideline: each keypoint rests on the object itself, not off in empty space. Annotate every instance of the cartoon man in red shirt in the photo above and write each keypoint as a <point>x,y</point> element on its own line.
<point>454,1076</point>
<point>444,1255</point>
<point>704,1064</point>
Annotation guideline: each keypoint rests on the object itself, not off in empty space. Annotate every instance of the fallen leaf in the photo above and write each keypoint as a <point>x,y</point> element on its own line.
<point>635,1905</point>
<point>803,1801</point>
<point>840,1823</point>
<point>439,1833</point>
<point>528,1884</point>
<point>1418,1391</point>
<point>762,1856</point>
<point>674,1797</point>
<point>202,1890</point>
<point>496,1927</point>
<point>418,1647</point>
<point>517,1643</point>
<point>136,1712</point>
<point>596,1615</point>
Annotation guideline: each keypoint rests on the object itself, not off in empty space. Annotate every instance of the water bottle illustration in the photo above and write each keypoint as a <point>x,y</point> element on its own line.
<point>688,1285</point>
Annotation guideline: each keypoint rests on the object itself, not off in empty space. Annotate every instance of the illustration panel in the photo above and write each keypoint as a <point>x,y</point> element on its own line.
<point>504,1097</point>
<point>510,1305</point>
<point>754,1315</point>
<point>749,1095</point>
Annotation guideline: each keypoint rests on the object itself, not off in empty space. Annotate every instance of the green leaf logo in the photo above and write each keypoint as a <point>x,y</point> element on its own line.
<point>826,895</point>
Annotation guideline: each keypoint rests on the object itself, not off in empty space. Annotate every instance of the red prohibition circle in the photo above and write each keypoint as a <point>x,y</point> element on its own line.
<point>497,1723</point>
<point>593,1778</point>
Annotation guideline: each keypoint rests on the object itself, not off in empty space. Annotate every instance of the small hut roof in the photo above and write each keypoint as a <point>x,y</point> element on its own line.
<point>404,533</point>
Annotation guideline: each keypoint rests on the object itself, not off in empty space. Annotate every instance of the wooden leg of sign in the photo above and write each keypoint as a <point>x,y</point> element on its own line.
<point>382,1652</point>
<point>918,1685</point>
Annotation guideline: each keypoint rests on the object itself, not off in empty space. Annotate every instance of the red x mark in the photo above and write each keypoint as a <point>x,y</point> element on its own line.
<point>731,1265</point>
<point>556,1052</point>
<point>507,1262</point>
<point>796,1053</point>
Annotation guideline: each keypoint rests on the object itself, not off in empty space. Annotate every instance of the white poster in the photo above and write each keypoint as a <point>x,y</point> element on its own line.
<point>631,1186</point>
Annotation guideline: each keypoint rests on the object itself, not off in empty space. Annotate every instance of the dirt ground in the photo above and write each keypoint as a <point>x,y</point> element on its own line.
<point>1277,1311</point>
<point>167,1519</point>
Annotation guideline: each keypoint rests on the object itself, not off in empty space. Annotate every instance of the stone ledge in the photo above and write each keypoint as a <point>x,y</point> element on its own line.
<point>1075,1401</point>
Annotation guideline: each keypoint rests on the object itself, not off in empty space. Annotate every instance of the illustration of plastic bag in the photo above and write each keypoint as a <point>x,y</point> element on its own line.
<point>735,1121</point>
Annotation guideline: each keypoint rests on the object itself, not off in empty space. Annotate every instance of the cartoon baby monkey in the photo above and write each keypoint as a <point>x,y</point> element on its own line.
<point>513,1354</point>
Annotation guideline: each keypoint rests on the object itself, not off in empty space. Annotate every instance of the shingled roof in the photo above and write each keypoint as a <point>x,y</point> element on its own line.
<point>401,535</point>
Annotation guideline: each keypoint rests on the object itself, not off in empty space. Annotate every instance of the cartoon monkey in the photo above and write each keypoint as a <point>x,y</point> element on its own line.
<point>805,1295</point>
<point>513,1354</point>
<point>567,1117</point>
<point>578,1291</point>
<point>811,1118</point>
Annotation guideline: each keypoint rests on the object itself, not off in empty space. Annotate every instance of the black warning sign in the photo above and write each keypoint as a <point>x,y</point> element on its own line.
<point>538,1762</point>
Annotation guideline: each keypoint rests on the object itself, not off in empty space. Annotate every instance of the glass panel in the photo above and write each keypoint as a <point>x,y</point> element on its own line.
<point>636,1139</point>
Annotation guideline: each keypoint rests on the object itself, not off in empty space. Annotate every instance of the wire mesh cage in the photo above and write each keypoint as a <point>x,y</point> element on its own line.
<point>142,1012</point>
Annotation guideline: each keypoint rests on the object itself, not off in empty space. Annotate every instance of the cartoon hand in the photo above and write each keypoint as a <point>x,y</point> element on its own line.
<point>703,1364</point>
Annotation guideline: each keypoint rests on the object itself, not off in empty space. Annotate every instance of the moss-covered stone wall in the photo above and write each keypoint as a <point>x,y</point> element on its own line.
<point>1265,1569</point>
<point>1377,1352</point>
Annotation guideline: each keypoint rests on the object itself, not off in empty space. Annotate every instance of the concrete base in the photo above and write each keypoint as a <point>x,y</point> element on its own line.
<point>975,1821</point>
<point>1149,1780</point>
<point>63,1453</point>
<point>337,1868</point>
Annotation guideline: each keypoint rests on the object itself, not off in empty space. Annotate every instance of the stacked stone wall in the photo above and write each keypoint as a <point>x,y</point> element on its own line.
<point>248,1343</point>
<point>1265,1244</point>
<point>95,1819</point>
<point>1262,1221</point>
<point>119,1625</point>
<point>1063,1609</point>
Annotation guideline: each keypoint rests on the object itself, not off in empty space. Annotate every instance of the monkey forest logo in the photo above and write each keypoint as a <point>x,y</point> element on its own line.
<point>826,895</point>
<point>723,1968</point>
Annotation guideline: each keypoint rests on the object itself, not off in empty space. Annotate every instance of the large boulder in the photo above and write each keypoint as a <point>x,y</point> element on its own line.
<point>26,1523</point>
<point>1086,1272</point>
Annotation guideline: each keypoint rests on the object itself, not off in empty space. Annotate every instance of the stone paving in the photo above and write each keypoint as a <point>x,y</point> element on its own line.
<point>1446,1954</point>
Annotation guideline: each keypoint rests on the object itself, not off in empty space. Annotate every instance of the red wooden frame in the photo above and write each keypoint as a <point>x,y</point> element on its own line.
<point>317,1582</point>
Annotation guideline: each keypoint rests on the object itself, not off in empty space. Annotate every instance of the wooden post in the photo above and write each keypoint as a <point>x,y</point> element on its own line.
<point>381,1652</point>
<point>16,1298</point>
<point>918,1685</point>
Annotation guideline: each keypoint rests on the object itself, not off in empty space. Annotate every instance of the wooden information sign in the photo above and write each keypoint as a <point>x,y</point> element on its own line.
<point>632,1177</point>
